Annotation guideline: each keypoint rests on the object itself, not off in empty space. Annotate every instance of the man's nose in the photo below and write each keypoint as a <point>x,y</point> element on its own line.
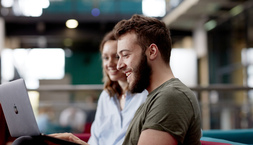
<point>120,65</point>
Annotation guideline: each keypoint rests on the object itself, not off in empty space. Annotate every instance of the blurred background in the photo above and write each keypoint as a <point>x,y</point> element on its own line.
<point>54,46</point>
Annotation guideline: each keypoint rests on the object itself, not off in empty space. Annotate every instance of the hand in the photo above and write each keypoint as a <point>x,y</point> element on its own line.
<point>69,137</point>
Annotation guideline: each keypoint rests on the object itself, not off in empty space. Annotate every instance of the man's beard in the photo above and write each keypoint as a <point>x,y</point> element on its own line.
<point>142,76</point>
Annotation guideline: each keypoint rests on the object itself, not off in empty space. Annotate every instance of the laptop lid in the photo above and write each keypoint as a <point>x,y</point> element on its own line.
<point>17,109</point>
<point>19,114</point>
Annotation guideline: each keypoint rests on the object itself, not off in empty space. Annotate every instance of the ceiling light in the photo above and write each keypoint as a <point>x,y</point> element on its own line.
<point>236,10</point>
<point>71,23</point>
<point>29,8</point>
<point>45,3</point>
<point>95,12</point>
<point>210,25</point>
<point>7,3</point>
<point>154,8</point>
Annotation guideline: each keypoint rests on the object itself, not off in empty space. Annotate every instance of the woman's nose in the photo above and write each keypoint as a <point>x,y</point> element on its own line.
<point>112,62</point>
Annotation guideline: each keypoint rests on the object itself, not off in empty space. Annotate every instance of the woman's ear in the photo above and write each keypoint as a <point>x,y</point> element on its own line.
<point>152,51</point>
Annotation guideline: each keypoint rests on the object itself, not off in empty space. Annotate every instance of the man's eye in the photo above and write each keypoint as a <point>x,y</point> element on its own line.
<point>124,55</point>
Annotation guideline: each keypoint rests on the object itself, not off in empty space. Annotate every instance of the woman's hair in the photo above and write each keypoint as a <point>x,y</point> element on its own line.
<point>148,30</point>
<point>112,87</point>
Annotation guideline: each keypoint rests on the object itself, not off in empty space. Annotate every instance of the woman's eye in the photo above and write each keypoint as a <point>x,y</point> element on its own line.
<point>105,58</point>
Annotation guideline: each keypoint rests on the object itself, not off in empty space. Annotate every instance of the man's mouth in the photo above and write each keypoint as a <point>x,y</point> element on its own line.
<point>128,74</point>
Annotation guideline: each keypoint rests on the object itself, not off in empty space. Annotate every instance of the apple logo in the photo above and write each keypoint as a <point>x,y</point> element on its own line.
<point>15,109</point>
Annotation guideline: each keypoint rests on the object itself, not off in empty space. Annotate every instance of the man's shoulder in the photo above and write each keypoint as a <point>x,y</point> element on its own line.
<point>174,91</point>
<point>172,86</point>
<point>176,87</point>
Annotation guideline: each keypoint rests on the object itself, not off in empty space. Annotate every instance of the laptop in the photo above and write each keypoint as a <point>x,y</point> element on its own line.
<point>19,114</point>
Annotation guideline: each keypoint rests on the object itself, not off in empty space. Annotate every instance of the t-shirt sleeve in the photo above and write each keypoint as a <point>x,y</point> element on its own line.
<point>169,111</point>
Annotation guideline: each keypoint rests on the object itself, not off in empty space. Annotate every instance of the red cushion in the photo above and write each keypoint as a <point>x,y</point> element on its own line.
<point>212,143</point>
<point>83,136</point>
<point>4,132</point>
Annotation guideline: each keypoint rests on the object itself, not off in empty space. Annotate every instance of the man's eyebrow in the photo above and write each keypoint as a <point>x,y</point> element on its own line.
<point>123,50</point>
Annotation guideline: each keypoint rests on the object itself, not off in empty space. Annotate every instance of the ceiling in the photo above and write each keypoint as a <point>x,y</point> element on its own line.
<point>191,12</point>
<point>51,25</point>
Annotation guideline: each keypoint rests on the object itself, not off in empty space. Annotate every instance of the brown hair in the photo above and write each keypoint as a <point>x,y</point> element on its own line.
<point>112,87</point>
<point>148,30</point>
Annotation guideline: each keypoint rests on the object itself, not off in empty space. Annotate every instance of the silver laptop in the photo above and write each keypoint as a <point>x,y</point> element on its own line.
<point>18,111</point>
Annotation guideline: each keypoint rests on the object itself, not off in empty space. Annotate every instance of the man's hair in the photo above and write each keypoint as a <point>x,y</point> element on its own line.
<point>112,87</point>
<point>148,30</point>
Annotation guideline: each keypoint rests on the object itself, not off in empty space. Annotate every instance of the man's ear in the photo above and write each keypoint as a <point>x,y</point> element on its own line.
<point>152,51</point>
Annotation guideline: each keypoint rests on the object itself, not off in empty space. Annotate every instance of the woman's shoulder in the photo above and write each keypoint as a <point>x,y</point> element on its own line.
<point>143,93</point>
<point>104,94</point>
<point>138,96</point>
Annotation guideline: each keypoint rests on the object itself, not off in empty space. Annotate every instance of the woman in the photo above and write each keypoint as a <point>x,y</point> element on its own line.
<point>116,106</point>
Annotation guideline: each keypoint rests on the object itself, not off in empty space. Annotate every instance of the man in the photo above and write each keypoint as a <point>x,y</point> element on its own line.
<point>171,113</point>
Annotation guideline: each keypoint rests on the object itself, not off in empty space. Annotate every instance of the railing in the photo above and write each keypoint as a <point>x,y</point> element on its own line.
<point>221,87</point>
<point>225,106</point>
<point>222,106</point>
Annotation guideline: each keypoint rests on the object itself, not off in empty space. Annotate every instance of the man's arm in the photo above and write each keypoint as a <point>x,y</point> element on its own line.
<point>151,137</point>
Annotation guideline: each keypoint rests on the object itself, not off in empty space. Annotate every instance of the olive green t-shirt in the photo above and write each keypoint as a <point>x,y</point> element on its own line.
<point>172,108</point>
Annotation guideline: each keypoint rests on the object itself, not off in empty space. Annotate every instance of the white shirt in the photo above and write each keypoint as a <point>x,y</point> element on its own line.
<point>111,123</point>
